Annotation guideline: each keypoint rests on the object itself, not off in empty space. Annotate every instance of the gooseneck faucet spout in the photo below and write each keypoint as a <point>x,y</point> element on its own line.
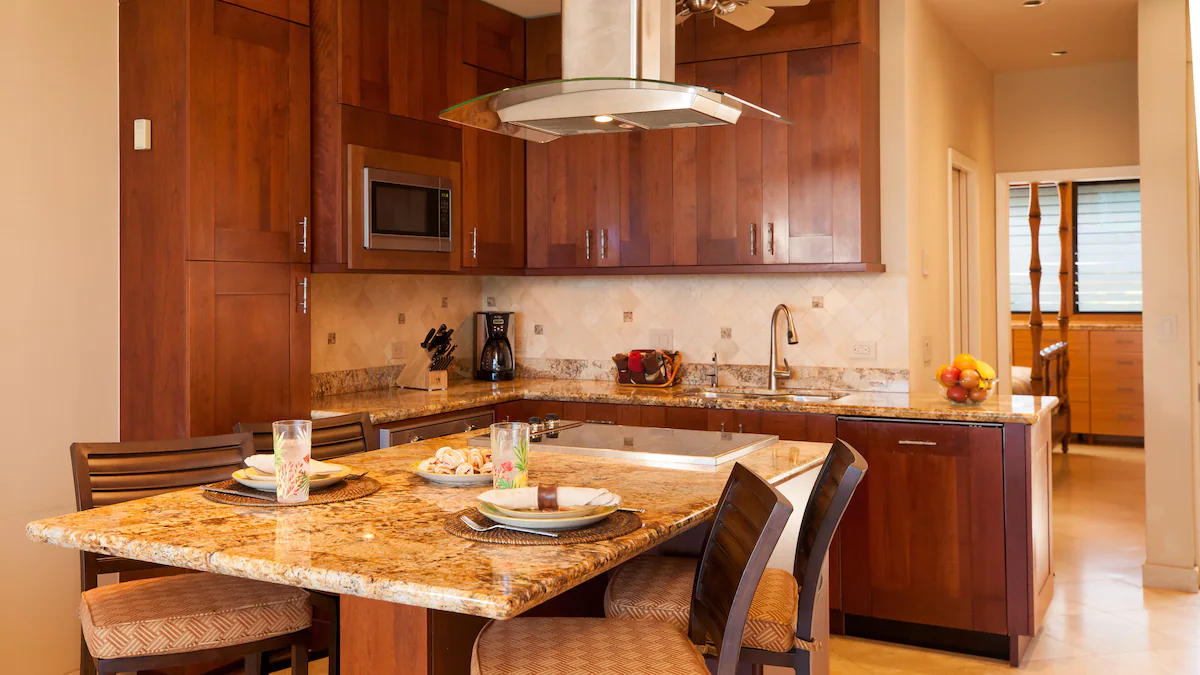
<point>775,373</point>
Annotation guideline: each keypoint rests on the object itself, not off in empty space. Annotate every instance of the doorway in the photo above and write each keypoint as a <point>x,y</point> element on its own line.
<point>965,300</point>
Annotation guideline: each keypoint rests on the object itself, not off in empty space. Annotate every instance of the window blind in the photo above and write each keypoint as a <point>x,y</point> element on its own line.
<point>1108,258</point>
<point>1020,248</point>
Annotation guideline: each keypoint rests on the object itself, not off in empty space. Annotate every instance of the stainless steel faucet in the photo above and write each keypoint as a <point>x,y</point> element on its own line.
<point>716,371</point>
<point>775,373</point>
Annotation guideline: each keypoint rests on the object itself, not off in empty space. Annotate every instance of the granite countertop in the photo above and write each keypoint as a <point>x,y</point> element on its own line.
<point>1050,327</point>
<point>391,546</point>
<point>390,405</point>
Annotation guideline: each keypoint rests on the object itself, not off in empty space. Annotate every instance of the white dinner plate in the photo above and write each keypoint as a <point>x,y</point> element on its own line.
<point>551,524</point>
<point>470,479</point>
<point>252,478</point>
<point>561,513</point>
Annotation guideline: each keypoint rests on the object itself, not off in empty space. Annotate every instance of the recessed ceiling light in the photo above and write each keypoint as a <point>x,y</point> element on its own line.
<point>1033,3</point>
<point>626,125</point>
<point>1059,52</point>
<point>603,119</point>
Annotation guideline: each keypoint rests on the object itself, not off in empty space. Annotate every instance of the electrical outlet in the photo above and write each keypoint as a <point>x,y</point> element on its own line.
<point>862,350</point>
<point>662,338</point>
<point>396,351</point>
<point>818,301</point>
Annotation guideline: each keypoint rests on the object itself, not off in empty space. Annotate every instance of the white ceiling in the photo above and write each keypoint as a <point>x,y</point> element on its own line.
<point>529,8</point>
<point>1007,36</point>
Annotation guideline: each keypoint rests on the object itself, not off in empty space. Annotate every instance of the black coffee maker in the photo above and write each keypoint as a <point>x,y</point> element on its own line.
<point>493,350</point>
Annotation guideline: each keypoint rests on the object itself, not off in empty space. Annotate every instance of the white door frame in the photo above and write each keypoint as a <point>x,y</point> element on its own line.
<point>973,293</point>
<point>1003,297</point>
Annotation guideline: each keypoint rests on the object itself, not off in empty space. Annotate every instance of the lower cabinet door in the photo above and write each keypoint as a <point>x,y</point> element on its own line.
<point>923,539</point>
<point>248,344</point>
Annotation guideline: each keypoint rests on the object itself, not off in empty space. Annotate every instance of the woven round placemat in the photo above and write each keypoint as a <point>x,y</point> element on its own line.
<point>355,488</point>
<point>618,524</point>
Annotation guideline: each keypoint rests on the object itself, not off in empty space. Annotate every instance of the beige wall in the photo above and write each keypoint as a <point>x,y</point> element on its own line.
<point>58,300</point>
<point>1067,118</point>
<point>1168,251</point>
<point>948,105</point>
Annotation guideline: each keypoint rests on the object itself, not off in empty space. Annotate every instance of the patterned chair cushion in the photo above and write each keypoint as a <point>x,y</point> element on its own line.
<point>659,588</point>
<point>558,646</point>
<point>188,612</point>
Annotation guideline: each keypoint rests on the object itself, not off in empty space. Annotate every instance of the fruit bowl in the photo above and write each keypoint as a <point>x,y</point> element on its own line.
<point>966,380</point>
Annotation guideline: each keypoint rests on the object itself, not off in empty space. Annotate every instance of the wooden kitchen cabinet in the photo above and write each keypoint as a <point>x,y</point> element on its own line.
<point>493,186</point>
<point>248,142</point>
<point>292,10</point>
<point>821,23</point>
<point>923,540</point>
<point>400,57</point>
<point>573,202</point>
<point>521,411</point>
<point>493,39</point>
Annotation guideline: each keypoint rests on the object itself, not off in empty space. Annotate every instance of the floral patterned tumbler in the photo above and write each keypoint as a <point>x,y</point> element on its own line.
<point>293,451</point>
<point>510,455</point>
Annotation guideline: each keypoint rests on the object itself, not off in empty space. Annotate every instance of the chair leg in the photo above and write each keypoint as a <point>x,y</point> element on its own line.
<point>87,665</point>
<point>255,664</point>
<point>300,655</point>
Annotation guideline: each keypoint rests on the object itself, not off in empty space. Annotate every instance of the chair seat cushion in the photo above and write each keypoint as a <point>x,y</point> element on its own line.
<point>525,646</point>
<point>188,612</point>
<point>659,588</point>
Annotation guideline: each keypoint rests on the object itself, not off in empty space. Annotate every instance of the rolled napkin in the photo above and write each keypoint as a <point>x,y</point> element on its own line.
<point>530,498</point>
<point>265,463</point>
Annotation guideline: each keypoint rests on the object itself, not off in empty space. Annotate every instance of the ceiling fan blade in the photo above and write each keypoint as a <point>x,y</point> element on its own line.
<point>783,3</point>
<point>681,17</point>
<point>749,17</point>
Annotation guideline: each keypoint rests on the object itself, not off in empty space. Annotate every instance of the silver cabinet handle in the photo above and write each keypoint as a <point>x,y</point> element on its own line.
<point>474,243</point>
<point>304,234</point>
<point>303,304</point>
<point>771,238</point>
<point>415,438</point>
<point>931,443</point>
<point>604,243</point>
<point>722,427</point>
<point>587,244</point>
<point>740,429</point>
<point>470,427</point>
<point>753,244</point>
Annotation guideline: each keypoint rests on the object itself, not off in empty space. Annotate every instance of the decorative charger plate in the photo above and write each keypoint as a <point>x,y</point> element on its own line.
<point>251,478</point>
<point>562,512</point>
<point>475,479</point>
<point>548,524</point>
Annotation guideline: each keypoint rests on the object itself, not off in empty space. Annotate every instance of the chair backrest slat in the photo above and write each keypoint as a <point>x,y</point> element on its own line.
<point>750,517</point>
<point>332,436</point>
<point>840,474</point>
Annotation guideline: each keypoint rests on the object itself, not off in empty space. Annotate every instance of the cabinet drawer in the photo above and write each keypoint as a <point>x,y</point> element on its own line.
<point>1113,369</point>
<point>1113,418</point>
<point>1125,390</point>
<point>420,431</point>
<point>1117,343</point>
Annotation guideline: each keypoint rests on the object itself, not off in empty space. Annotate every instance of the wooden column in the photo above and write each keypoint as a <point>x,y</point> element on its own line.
<point>1035,284</point>
<point>1066,305</point>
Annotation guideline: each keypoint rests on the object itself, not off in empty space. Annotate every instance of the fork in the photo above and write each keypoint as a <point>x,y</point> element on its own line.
<point>481,528</point>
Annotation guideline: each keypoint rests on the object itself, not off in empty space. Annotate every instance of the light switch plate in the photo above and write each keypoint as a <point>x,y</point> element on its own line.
<point>927,349</point>
<point>141,134</point>
<point>662,338</point>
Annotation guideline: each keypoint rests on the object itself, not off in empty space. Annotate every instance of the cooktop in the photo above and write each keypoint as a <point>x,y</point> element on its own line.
<point>685,446</point>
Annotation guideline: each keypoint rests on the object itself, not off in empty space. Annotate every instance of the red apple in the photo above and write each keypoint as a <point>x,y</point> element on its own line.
<point>950,376</point>
<point>978,395</point>
<point>969,379</point>
<point>956,394</point>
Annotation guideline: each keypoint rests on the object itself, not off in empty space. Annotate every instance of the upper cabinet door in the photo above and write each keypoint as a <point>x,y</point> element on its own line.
<point>572,187</point>
<point>401,56</point>
<point>493,39</point>
<point>248,146</point>
<point>821,23</point>
<point>292,10</point>
<point>493,187</point>
<point>645,189</point>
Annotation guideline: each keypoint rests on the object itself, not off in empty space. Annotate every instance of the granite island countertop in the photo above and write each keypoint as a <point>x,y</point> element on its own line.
<point>391,545</point>
<point>390,405</point>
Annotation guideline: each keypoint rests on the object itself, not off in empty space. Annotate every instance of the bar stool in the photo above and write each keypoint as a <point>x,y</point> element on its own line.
<point>170,621</point>
<point>750,517</point>
<point>780,619</point>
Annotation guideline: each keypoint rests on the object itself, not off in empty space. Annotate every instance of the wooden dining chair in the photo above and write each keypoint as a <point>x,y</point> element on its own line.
<point>750,517</point>
<point>779,626</point>
<point>332,436</point>
<point>170,621</point>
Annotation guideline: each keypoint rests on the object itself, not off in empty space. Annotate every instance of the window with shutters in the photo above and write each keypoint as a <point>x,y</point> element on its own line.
<point>1106,241</point>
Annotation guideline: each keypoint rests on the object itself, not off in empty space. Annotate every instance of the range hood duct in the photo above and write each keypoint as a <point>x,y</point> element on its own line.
<point>618,67</point>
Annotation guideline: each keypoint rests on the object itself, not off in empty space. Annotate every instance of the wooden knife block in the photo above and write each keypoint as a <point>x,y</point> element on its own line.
<point>417,375</point>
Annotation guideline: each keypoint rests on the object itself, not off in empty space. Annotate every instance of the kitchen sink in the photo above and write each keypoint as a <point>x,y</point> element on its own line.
<point>767,395</point>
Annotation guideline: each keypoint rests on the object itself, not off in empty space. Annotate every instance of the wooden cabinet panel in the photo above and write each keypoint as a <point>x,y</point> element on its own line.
<point>653,416</point>
<point>628,415</point>
<point>493,39</point>
<point>493,186</point>
<point>401,56</point>
<point>821,23</point>
<point>292,10</point>
<point>248,344</point>
<point>787,426</point>
<point>521,411</point>
<point>739,421</point>
<point>1117,343</point>
<point>822,428</point>
<point>573,202</point>
<point>248,154</point>
<point>1118,417</point>
<point>923,541</point>
<point>644,189</point>
<point>686,418</point>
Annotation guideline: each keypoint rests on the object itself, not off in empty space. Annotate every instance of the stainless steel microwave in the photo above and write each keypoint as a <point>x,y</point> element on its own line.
<point>406,211</point>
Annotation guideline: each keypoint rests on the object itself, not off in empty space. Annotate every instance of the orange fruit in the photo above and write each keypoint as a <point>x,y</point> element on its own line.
<point>964,362</point>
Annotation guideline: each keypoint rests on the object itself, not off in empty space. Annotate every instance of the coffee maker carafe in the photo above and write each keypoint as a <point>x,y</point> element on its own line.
<point>493,350</point>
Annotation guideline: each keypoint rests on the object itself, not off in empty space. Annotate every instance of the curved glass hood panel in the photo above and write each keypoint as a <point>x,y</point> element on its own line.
<point>545,111</point>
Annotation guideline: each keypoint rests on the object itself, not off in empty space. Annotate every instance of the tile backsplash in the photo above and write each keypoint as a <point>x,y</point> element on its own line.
<point>575,324</point>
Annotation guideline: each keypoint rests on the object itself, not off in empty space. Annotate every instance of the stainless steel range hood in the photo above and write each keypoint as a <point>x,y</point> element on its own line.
<point>618,60</point>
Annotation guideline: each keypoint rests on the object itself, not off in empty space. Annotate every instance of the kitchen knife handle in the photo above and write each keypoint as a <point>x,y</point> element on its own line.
<point>753,247</point>
<point>475,243</point>
<point>304,234</point>
<point>303,291</point>
<point>587,244</point>
<point>771,238</point>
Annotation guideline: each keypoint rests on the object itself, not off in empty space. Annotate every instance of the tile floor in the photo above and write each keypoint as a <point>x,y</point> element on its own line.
<point>1101,620</point>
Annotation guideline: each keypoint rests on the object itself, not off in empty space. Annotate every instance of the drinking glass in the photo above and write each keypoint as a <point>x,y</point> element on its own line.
<point>293,451</point>
<point>510,455</point>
